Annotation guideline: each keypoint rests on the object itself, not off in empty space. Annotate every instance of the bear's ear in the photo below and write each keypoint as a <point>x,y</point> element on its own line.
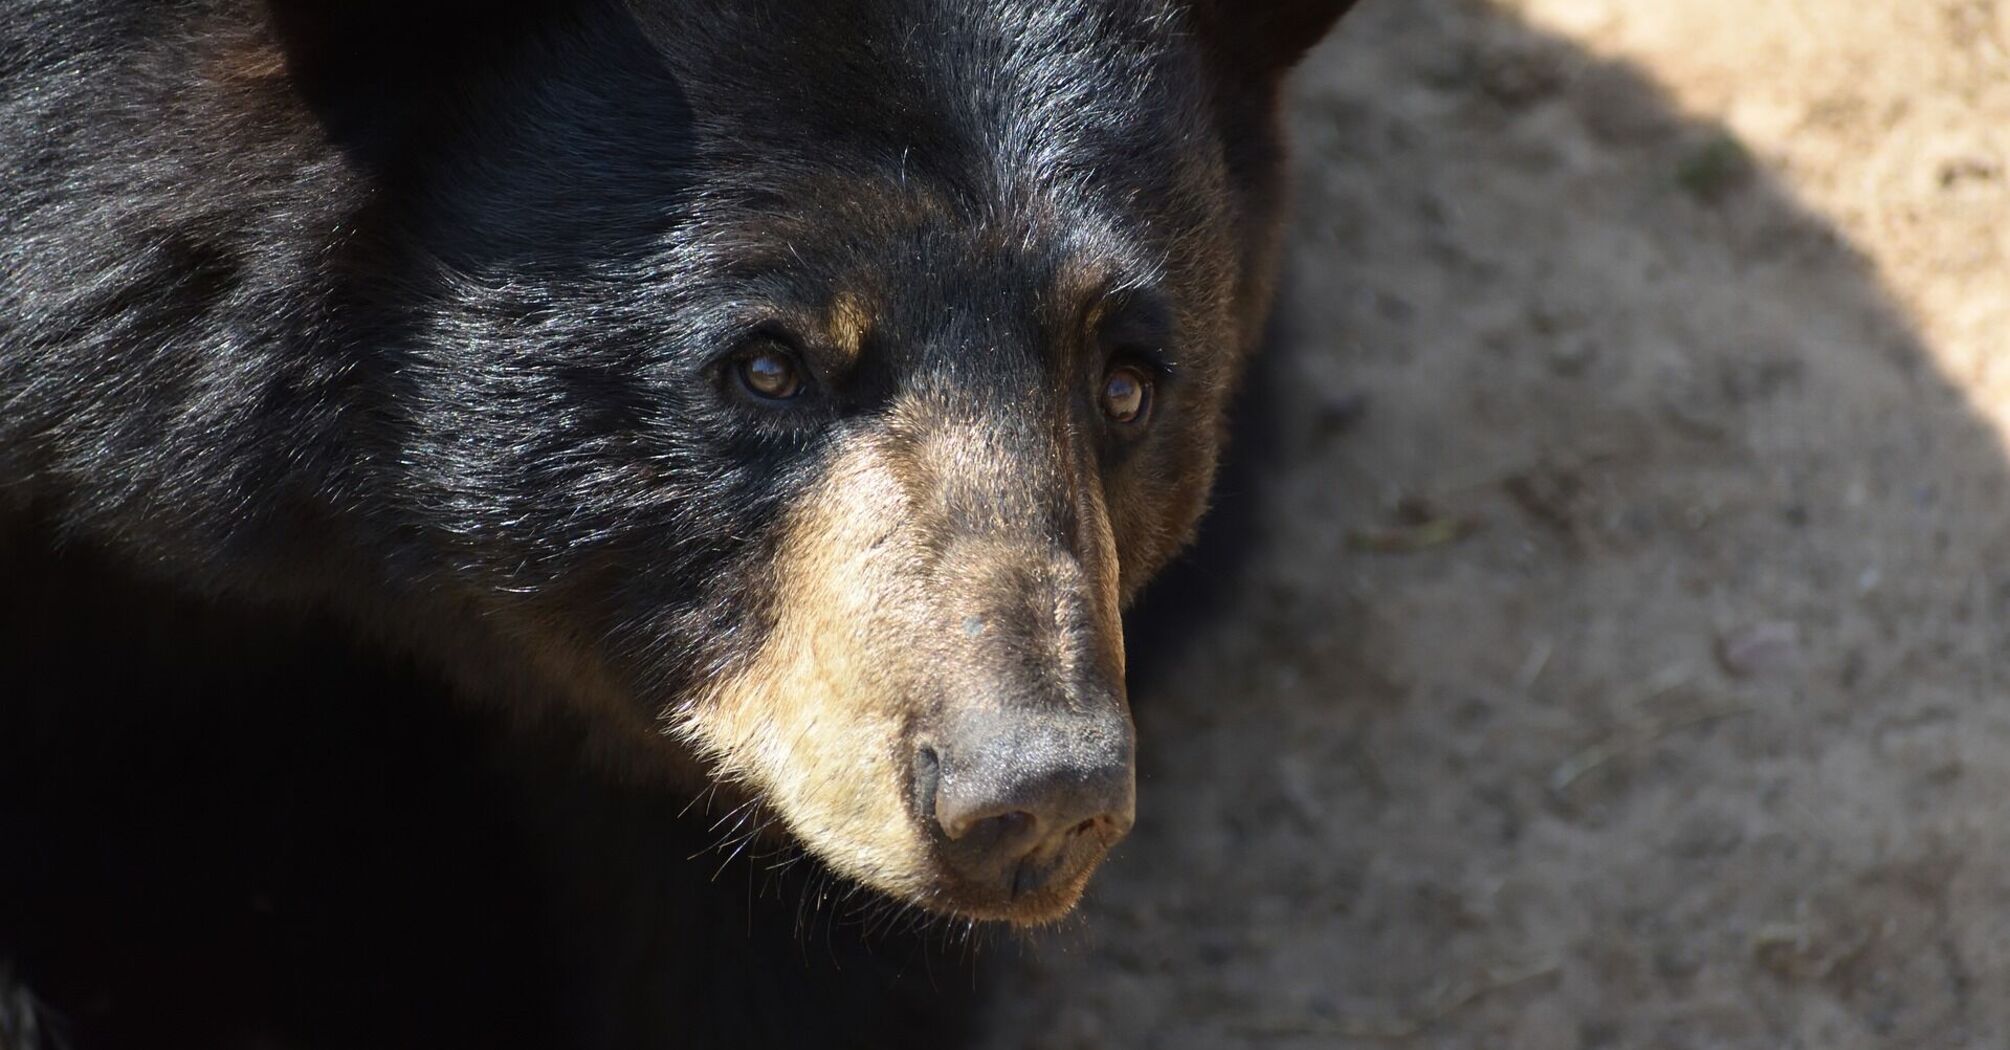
<point>1258,41</point>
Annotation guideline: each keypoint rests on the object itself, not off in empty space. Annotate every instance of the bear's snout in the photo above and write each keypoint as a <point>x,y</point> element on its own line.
<point>1023,771</point>
<point>1023,804</point>
<point>938,707</point>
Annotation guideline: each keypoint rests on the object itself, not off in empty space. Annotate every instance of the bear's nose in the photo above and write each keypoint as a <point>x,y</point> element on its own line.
<point>1022,801</point>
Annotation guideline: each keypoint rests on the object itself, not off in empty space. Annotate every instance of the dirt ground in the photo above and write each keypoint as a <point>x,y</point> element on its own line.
<point>1618,660</point>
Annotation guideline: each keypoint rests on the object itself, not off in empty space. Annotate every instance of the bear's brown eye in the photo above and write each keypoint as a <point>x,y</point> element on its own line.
<point>771,374</point>
<point>1127,395</point>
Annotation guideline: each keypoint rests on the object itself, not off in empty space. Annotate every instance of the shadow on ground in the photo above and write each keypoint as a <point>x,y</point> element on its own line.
<point>1605,649</point>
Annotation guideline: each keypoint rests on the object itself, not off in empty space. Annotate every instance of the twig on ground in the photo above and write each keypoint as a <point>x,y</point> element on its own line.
<point>1411,539</point>
<point>1631,738</point>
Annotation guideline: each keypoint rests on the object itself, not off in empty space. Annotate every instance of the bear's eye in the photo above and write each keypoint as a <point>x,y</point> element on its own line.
<point>770,373</point>
<point>1127,395</point>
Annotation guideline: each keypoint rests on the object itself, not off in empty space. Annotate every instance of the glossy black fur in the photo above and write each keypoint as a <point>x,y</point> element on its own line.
<point>360,359</point>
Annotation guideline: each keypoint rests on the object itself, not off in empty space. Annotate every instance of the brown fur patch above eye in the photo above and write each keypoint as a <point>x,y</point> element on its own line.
<point>849,324</point>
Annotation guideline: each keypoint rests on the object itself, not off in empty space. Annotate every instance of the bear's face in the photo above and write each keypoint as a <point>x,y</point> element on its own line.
<point>824,378</point>
<point>981,442</point>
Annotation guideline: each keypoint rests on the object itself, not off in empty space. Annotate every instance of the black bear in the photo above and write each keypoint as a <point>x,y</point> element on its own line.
<point>770,400</point>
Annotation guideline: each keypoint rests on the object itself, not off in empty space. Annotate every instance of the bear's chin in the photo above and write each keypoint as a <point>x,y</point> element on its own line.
<point>1043,907</point>
<point>1039,893</point>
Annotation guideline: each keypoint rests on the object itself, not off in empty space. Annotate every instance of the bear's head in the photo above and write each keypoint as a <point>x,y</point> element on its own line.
<point>812,384</point>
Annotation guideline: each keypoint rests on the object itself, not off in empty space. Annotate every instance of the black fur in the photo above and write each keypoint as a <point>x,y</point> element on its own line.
<point>354,356</point>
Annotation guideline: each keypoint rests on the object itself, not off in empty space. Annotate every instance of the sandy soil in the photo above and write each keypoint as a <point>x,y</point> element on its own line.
<point>1619,655</point>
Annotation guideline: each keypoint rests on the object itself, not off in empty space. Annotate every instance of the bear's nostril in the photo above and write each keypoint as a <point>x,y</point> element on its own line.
<point>999,827</point>
<point>927,779</point>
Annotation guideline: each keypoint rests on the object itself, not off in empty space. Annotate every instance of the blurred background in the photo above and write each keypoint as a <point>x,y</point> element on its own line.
<point>1609,629</point>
